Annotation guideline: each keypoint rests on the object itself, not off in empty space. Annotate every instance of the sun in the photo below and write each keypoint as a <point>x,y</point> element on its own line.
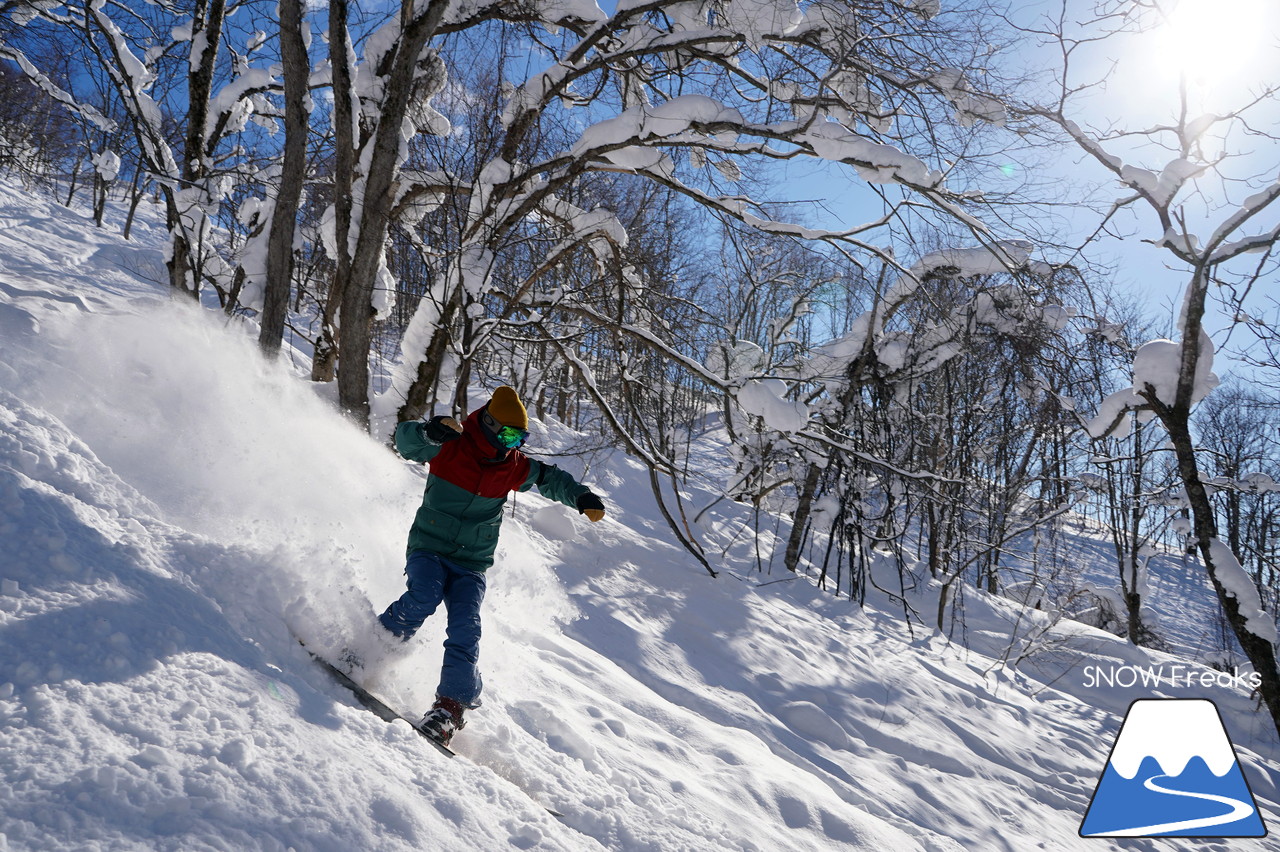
<point>1212,44</point>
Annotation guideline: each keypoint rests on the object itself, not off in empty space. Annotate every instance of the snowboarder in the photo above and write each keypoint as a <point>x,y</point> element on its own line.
<point>473,467</point>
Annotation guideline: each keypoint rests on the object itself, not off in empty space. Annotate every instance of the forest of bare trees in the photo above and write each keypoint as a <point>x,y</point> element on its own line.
<point>793,226</point>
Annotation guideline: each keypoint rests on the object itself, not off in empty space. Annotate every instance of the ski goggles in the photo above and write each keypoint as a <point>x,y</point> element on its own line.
<point>511,436</point>
<point>508,436</point>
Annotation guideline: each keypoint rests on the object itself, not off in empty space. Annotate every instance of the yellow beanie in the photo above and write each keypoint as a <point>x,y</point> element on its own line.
<point>507,409</point>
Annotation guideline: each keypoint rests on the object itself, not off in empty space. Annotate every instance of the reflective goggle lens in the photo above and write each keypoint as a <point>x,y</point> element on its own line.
<point>512,437</point>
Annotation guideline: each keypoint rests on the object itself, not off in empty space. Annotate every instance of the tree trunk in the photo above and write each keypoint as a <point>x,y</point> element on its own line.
<point>1258,650</point>
<point>284,217</point>
<point>100,189</point>
<point>181,273</point>
<point>325,360</point>
<point>356,330</point>
<point>184,272</point>
<point>135,198</point>
<point>804,508</point>
<point>75,173</point>
<point>1133,610</point>
<point>424,383</point>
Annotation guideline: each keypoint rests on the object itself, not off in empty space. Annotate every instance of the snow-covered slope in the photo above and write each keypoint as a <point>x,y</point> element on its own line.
<point>172,510</point>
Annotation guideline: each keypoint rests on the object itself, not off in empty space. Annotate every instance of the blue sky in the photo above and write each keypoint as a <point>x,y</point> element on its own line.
<point>1222,49</point>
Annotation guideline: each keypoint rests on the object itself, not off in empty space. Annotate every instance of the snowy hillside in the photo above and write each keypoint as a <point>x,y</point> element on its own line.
<point>172,509</point>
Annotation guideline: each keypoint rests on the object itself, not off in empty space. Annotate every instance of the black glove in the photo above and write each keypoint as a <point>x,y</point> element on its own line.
<point>441,428</point>
<point>590,505</point>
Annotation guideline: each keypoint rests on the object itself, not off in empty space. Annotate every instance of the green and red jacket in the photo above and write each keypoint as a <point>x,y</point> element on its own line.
<point>467,488</point>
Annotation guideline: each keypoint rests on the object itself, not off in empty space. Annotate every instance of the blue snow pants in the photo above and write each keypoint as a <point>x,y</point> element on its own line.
<point>433,579</point>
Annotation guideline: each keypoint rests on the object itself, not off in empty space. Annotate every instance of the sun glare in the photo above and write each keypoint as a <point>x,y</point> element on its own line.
<point>1217,43</point>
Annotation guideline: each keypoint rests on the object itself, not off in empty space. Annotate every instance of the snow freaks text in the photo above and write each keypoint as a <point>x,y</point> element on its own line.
<point>1169,676</point>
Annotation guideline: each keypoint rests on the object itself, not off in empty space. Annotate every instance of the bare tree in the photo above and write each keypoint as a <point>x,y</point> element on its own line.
<point>36,135</point>
<point>1127,479</point>
<point>673,90</point>
<point>163,63</point>
<point>1166,171</point>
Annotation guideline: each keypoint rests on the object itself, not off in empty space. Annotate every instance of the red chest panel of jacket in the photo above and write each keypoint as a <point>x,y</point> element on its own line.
<point>462,463</point>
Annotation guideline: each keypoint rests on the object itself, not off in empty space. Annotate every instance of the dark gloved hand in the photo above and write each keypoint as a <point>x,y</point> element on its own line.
<point>442,428</point>
<point>591,506</point>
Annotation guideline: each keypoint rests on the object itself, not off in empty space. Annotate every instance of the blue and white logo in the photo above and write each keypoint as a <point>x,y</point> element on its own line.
<point>1172,773</point>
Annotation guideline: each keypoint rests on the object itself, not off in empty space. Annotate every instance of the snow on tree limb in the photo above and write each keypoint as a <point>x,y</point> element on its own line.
<point>42,82</point>
<point>132,79</point>
<point>1003,256</point>
<point>1252,206</point>
<point>1157,373</point>
<point>1228,573</point>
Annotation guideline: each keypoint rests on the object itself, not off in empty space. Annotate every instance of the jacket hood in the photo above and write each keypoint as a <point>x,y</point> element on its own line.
<point>481,444</point>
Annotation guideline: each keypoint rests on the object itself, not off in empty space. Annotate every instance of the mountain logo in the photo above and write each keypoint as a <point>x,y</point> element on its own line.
<point>1172,773</point>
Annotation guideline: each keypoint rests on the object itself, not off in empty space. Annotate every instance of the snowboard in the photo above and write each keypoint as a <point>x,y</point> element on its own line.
<point>374,703</point>
<point>380,708</point>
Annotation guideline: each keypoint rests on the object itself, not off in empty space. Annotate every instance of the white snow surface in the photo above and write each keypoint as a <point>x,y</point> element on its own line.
<point>173,509</point>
